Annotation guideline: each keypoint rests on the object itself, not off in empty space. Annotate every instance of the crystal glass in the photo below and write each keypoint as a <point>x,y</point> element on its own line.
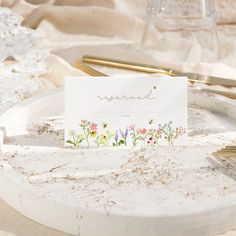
<point>182,24</point>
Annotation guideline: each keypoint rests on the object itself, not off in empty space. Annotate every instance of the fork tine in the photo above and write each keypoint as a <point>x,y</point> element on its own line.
<point>95,72</point>
<point>88,69</point>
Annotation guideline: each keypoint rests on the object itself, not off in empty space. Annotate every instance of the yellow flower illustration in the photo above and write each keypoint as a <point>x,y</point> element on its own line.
<point>103,139</point>
<point>93,134</point>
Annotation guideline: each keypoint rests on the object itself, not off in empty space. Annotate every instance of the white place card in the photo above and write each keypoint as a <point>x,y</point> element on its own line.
<point>125,111</point>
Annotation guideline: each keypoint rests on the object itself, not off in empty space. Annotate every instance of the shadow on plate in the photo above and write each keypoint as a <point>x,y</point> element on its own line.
<point>44,138</point>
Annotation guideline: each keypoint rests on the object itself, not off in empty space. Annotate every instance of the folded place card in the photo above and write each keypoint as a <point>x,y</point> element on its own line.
<point>125,111</point>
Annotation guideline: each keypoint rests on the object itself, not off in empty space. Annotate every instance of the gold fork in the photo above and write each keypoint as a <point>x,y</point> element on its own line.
<point>89,70</point>
<point>228,151</point>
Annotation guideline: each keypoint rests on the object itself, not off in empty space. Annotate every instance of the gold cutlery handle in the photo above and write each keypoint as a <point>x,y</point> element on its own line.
<point>125,65</point>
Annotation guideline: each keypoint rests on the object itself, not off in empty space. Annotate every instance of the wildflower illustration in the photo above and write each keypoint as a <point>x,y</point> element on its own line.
<point>117,142</point>
<point>154,135</point>
<point>120,137</point>
<point>89,130</point>
<point>137,134</point>
<point>104,139</point>
<point>100,140</point>
<point>179,132</point>
<point>102,135</point>
<point>170,134</point>
<point>76,139</point>
<point>124,136</point>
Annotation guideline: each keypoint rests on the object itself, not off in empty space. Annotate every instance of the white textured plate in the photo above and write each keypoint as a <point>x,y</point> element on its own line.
<point>176,191</point>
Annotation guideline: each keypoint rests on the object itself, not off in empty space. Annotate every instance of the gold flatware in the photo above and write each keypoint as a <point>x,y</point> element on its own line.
<point>228,151</point>
<point>193,77</point>
<point>226,155</point>
<point>126,65</point>
<point>130,66</point>
<point>139,67</point>
<point>198,81</point>
<point>89,70</point>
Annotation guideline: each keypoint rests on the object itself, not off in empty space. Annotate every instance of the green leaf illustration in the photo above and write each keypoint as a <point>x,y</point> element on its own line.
<point>70,142</point>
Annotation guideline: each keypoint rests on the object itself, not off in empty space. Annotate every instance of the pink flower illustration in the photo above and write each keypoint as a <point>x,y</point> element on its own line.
<point>158,132</point>
<point>150,130</point>
<point>93,127</point>
<point>142,131</point>
<point>84,121</point>
<point>131,127</point>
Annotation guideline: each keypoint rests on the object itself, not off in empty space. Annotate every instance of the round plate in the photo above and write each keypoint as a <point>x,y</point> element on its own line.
<point>162,191</point>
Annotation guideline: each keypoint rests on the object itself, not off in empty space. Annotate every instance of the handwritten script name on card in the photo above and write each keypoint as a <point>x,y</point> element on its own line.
<point>148,96</point>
